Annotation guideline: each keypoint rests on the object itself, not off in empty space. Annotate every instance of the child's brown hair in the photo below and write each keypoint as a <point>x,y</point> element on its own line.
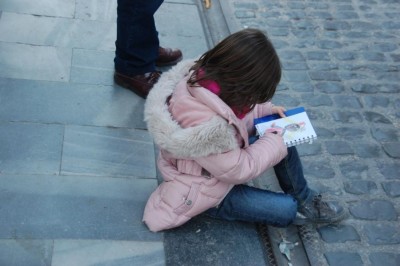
<point>246,67</point>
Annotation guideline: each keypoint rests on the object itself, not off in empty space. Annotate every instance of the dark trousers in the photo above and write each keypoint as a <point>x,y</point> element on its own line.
<point>137,38</point>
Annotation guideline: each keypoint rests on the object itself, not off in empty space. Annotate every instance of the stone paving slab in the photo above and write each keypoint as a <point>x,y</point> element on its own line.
<point>20,252</point>
<point>57,31</point>
<point>113,253</point>
<point>56,8</point>
<point>74,207</point>
<point>108,152</point>
<point>100,10</point>
<point>186,25</point>
<point>80,252</point>
<point>24,149</point>
<point>68,103</point>
<point>206,241</point>
<point>22,61</point>
<point>92,67</point>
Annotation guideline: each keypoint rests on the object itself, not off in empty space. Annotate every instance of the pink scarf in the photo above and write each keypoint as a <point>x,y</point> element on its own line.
<point>214,87</point>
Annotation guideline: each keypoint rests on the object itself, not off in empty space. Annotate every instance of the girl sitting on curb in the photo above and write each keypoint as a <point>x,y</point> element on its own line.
<point>200,115</point>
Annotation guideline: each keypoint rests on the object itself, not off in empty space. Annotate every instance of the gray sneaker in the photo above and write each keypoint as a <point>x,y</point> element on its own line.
<point>316,210</point>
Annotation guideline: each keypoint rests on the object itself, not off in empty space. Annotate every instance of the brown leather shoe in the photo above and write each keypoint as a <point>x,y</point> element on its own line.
<point>139,84</point>
<point>168,56</point>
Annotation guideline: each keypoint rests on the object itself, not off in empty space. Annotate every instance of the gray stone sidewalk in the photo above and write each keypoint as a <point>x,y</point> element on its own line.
<point>341,61</point>
<point>76,163</point>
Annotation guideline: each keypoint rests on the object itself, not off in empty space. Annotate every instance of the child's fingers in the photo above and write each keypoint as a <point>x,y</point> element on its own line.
<point>275,130</point>
<point>281,112</point>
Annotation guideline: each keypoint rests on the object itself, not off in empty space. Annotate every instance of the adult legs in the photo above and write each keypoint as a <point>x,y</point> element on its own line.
<point>137,41</point>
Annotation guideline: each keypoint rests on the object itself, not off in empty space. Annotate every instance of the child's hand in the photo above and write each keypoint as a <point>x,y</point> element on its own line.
<point>275,130</point>
<point>276,109</point>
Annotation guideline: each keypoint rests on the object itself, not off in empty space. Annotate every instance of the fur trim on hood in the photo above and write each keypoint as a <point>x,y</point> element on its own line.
<point>211,137</point>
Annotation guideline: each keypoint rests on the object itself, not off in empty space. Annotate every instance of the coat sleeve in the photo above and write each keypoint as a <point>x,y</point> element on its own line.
<point>263,109</point>
<point>260,110</point>
<point>241,165</point>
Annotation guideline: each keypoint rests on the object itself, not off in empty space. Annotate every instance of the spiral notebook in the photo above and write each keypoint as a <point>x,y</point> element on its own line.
<point>296,127</point>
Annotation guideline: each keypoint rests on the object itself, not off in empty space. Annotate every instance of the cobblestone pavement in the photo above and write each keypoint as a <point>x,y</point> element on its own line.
<point>341,61</point>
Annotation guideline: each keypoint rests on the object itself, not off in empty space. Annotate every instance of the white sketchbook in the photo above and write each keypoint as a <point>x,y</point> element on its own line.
<point>296,127</point>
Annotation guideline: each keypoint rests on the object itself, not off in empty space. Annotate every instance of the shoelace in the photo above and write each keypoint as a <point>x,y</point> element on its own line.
<point>319,204</point>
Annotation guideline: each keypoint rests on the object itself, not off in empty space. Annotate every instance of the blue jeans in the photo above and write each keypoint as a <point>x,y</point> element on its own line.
<point>137,38</point>
<point>245,203</point>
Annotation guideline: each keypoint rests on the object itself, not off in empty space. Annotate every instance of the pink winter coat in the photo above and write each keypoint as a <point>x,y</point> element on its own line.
<point>204,149</point>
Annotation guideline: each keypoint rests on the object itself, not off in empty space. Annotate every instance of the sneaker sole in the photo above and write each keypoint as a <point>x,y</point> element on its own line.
<point>303,221</point>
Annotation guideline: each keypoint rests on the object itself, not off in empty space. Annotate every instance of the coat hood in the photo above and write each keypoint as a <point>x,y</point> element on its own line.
<point>214,136</point>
